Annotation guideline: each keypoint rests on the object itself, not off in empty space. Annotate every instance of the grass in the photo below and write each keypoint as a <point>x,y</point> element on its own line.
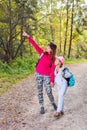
<point>19,69</point>
<point>74,60</point>
<point>11,74</point>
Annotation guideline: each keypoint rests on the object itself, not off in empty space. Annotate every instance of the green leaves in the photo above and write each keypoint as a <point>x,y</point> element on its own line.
<point>14,71</point>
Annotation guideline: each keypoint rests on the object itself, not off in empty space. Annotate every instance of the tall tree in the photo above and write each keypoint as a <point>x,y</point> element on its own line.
<point>71,31</point>
<point>67,20</point>
<point>18,12</point>
<point>60,30</point>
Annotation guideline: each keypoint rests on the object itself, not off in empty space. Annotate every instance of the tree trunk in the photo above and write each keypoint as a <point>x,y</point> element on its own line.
<point>51,27</point>
<point>66,30</point>
<point>60,50</point>
<point>51,30</point>
<point>21,41</point>
<point>10,44</point>
<point>70,44</point>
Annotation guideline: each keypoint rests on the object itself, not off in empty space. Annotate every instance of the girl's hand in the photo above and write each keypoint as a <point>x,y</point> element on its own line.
<point>52,84</point>
<point>25,34</point>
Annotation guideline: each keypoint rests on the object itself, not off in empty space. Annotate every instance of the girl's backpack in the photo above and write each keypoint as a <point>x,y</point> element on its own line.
<point>71,79</point>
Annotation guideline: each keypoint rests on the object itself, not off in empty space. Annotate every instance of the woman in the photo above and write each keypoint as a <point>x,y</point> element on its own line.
<point>44,71</point>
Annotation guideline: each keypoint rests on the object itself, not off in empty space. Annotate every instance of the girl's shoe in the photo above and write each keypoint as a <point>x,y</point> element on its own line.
<point>42,110</point>
<point>62,112</point>
<point>58,115</point>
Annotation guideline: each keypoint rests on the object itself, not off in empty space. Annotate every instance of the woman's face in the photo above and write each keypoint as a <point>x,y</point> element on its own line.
<point>48,49</point>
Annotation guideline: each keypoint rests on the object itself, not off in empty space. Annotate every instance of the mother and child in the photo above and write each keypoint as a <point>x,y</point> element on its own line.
<point>49,71</point>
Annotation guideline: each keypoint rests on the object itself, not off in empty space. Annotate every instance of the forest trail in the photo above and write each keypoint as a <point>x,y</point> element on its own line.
<point>19,108</point>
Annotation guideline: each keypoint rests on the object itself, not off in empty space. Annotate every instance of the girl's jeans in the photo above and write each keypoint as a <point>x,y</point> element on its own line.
<point>61,93</point>
<point>43,79</point>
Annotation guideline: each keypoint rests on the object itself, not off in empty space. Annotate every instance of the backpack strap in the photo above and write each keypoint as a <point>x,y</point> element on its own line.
<point>39,58</point>
<point>67,79</point>
<point>65,69</point>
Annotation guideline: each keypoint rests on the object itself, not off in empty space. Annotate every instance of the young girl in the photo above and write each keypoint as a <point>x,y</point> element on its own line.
<point>62,84</point>
<point>44,71</point>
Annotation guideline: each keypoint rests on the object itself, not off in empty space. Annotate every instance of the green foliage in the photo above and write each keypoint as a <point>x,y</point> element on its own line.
<point>15,15</point>
<point>20,68</point>
<point>74,60</point>
<point>4,67</point>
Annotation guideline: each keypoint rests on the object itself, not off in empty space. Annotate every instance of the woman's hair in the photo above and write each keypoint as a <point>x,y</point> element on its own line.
<point>53,48</point>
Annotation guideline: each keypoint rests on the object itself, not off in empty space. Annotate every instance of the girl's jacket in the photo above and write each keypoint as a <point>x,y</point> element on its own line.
<point>59,79</point>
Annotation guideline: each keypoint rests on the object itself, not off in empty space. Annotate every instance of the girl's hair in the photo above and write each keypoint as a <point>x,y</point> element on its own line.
<point>53,48</point>
<point>61,65</point>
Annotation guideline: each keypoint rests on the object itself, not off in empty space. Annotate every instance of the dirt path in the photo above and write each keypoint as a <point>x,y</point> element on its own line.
<point>19,108</point>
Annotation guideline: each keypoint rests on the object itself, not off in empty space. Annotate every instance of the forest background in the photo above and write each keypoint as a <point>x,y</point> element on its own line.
<point>63,22</point>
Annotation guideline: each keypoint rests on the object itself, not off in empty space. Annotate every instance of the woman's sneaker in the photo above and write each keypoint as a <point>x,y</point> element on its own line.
<point>55,106</point>
<point>42,110</point>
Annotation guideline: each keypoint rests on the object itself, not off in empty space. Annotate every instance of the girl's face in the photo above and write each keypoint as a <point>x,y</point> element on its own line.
<point>57,62</point>
<point>48,49</point>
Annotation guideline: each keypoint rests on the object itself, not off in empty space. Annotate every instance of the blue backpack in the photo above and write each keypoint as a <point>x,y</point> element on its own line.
<point>71,79</point>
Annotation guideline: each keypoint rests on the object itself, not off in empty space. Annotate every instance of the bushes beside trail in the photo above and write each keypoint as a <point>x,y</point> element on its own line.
<point>13,72</point>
